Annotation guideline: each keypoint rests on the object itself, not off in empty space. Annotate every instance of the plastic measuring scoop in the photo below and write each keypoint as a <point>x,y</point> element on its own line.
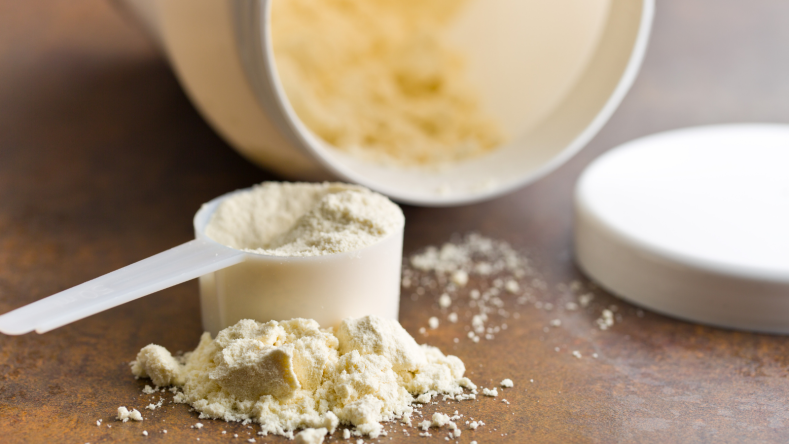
<point>261,287</point>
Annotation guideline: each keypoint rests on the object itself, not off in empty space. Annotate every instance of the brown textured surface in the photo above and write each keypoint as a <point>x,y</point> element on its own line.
<point>103,161</point>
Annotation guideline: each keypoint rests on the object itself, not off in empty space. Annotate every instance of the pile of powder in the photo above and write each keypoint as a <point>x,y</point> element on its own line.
<point>376,79</point>
<point>304,219</point>
<point>293,374</point>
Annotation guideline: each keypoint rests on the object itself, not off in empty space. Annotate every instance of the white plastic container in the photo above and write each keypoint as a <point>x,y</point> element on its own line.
<point>551,72</point>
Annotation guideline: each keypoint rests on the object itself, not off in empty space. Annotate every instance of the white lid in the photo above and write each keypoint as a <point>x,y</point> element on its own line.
<point>693,223</point>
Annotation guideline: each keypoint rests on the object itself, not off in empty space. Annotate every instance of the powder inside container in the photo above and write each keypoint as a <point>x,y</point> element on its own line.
<point>293,374</point>
<point>377,79</point>
<point>304,219</point>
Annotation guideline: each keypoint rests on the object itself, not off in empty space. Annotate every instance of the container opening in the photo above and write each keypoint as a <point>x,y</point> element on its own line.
<point>551,73</point>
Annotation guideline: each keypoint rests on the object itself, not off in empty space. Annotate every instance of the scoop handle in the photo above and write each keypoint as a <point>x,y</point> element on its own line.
<point>171,267</point>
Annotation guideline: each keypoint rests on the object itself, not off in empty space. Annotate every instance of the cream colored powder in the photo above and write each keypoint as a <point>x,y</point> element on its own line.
<point>375,78</point>
<point>457,269</point>
<point>304,219</point>
<point>291,375</point>
<point>440,419</point>
<point>311,436</point>
<point>157,363</point>
<point>125,415</point>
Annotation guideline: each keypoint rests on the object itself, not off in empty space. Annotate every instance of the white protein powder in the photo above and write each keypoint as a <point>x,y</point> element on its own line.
<point>291,375</point>
<point>304,219</point>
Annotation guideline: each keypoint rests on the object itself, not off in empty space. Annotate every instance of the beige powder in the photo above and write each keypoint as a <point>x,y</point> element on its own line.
<point>125,415</point>
<point>304,219</point>
<point>375,78</point>
<point>311,436</point>
<point>157,363</point>
<point>293,374</point>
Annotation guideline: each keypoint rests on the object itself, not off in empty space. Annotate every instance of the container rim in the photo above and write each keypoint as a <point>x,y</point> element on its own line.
<point>255,45</point>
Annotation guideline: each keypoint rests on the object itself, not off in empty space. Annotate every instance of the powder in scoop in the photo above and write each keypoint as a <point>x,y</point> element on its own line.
<point>376,78</point>
<point>304,219</point>
<point>294,375</point>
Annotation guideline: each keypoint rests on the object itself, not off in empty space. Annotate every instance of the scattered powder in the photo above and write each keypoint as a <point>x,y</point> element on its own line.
<point>473,254</point>
<point>507,383</point>
<point>476,275</point>
<point>577,354</point>
<point>303,219</point>
<point>376,79</point>
<point>433,322</point>
<point>489,261</point>
<point>460,278</point>
<point>439,420</point>
<point>125,415</point>
<point>155,406</point>
<point>585,299</point>
<point>311,436</point>
<point>605,320</point>
<point>293,374</point>
<point>490,392</point>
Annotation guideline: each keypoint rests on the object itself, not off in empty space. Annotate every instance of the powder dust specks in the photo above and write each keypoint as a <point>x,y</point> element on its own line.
<point>483,285</point>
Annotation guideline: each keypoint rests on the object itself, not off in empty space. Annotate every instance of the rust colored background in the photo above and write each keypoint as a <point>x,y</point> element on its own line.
<point>103,161</point>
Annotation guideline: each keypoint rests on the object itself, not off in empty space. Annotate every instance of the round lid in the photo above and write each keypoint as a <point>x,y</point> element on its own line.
<point>693,223</point>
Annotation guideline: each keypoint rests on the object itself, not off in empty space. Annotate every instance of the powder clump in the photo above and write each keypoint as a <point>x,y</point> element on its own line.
<point>155,362</point>
<point>376,78</point>
<point>125,414</point>
<point>310,436</point>
<point>294,375</point>
<point>304,219</point>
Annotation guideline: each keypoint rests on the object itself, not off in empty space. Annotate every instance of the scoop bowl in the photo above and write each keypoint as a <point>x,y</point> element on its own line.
<point>236,284</point>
